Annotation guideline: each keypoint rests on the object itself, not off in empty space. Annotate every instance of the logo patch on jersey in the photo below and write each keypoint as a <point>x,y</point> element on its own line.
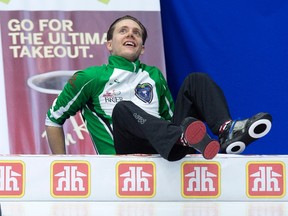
<point>144,92</point>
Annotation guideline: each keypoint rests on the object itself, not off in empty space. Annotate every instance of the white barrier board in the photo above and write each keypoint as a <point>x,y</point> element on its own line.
<point>142,178</point>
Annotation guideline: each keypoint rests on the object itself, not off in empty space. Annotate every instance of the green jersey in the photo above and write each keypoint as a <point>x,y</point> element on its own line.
<point>96,90</point>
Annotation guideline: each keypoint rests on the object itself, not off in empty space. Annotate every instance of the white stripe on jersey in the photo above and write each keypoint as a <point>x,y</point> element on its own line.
<point>58,113</point>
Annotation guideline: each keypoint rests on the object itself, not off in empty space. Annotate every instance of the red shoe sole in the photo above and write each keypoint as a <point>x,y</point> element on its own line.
<point>211,150</point>
<point>195,132</point>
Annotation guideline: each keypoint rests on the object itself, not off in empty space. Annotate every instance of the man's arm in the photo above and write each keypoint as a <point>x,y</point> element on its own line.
<point>56,139</point>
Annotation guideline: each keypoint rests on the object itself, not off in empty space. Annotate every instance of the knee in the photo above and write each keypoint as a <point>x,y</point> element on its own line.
<point>120,108</point>
<point>199,76</point>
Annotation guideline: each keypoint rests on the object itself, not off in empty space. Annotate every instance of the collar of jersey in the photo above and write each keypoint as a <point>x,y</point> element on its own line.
<point>124,64</point>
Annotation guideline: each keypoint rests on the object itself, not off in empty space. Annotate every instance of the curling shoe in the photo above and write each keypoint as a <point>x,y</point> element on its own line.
<point>237,135</point>
<point>194,135</point>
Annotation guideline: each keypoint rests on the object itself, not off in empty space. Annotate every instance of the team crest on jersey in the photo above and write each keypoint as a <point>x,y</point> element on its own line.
<point>144,92</point>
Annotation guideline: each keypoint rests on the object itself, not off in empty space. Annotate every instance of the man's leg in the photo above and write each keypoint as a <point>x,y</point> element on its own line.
<point>136,131</point>
<point>202,98</point>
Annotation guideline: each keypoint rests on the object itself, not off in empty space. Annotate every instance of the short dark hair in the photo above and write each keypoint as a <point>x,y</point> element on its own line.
<point>112,27</point>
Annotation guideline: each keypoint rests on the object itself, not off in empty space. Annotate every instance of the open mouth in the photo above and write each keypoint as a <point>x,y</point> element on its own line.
<point>130,44</point>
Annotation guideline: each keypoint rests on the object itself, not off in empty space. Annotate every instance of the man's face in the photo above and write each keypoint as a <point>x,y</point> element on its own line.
<point>127,40</point>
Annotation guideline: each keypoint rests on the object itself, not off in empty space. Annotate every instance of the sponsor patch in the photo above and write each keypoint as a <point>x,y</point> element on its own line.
<point>265,179</point>
<point>70,179</point>
<point>135,179</point>
<point>12,178</point>
<point>200,179</point>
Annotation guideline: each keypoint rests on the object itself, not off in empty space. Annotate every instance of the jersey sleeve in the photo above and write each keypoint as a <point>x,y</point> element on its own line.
<point>73,97</point>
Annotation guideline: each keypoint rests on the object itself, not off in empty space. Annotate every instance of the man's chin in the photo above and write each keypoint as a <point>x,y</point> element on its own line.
<point>131,58</point>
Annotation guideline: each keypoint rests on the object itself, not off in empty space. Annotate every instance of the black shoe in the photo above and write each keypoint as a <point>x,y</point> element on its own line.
<point>194,135</point>
<point>239,134</point>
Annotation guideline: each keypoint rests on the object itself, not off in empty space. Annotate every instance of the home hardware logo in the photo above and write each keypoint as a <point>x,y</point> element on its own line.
<point>12,178</point>
<point>265,179</point>
<point>135,179</point>
<point>70,179</point>
<point>200,179</point>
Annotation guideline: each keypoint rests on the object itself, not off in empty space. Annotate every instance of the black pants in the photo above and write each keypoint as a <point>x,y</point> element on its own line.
<point>136,131</point>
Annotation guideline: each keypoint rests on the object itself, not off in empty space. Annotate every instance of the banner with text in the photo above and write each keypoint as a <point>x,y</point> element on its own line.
<point>41,49</point>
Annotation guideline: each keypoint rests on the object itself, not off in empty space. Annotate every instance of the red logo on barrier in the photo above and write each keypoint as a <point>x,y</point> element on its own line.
<point>135,179</point>
<point>200,179</point>
<point>70,179</point>
<point>12,178</point>
<point>265,179</point>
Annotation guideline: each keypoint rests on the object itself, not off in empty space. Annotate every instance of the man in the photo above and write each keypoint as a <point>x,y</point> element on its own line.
<point>141,121</point>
